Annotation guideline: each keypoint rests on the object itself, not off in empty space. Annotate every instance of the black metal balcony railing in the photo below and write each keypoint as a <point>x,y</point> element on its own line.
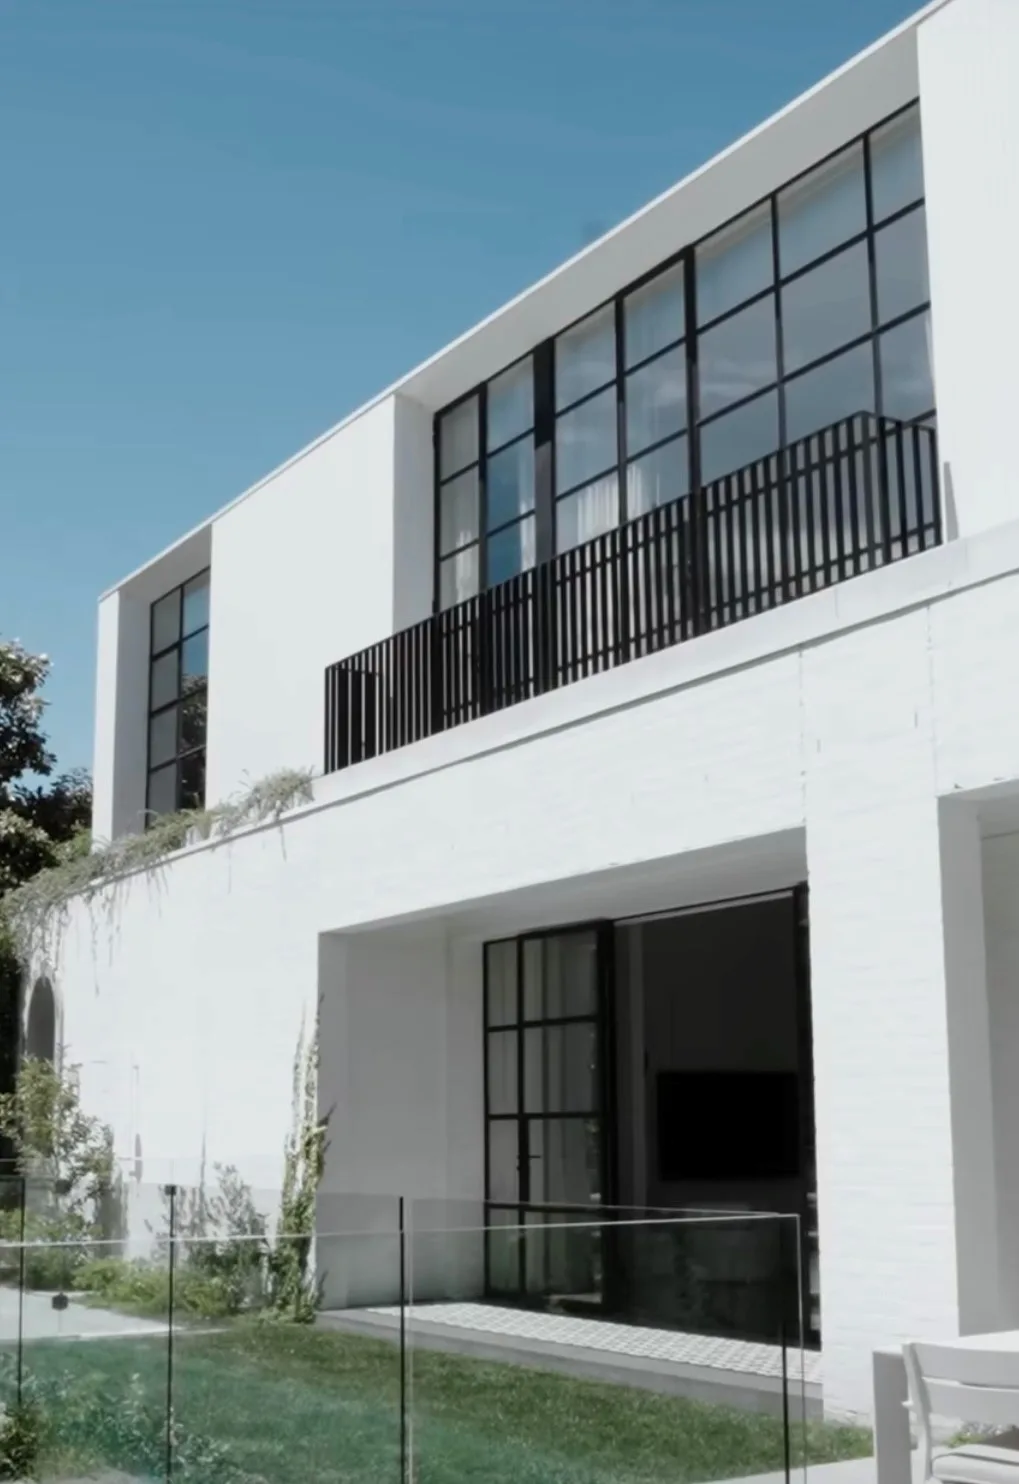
<point>849,498</point>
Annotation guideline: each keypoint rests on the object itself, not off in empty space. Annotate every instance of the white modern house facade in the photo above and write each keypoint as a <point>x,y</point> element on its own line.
<point>654,648</point>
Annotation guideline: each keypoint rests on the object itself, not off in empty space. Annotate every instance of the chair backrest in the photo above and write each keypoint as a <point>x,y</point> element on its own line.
<point>962,1382</point>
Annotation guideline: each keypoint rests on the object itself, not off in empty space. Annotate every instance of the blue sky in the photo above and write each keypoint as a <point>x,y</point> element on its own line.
<point>228,222</point>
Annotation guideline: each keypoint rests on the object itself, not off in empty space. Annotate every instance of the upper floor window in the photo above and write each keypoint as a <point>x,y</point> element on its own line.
<point>178,698</point>
<point>808,308</point>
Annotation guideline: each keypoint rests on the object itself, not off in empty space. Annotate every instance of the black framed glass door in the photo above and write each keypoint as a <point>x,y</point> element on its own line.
<point>547,1155</point>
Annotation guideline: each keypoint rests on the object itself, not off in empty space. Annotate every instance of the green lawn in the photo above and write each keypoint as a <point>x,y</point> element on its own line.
<point>302,1406</point>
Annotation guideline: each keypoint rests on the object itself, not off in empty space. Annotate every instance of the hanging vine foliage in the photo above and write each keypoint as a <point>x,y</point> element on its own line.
<point>35,913</point>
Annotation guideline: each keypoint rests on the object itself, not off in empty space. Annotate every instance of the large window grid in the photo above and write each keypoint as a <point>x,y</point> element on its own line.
<point>178,698</point>
<point>808,308</point>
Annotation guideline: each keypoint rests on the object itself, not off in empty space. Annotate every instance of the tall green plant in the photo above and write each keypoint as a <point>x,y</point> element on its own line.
<point>65,1157</point>
<point>293,1293</point>
<point>55,1140</point>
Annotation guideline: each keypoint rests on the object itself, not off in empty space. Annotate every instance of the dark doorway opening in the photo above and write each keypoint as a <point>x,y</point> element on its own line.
<point>651,1068</point>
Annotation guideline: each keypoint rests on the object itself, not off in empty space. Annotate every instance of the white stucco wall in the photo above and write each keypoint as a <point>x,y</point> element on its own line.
<point>848,715</point>
<point>303,574</point>
<point>968,54</point>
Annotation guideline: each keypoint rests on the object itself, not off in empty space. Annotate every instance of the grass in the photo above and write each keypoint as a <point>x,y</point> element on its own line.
<point>303,1406</point>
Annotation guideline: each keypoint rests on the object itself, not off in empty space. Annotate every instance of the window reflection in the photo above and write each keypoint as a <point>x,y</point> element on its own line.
<point>837,389</point>
<point>657,478</point>
<point>734,264</point>
<point>458,511</point>
<point>900,256</point>
<point>510,404</point>
<point>896,164</point>
<point>822,209</point>
<point>740,437</point>
<point>907,382</point>
<point>738,356</point>
<point>656,401</point>
<point>826,307</point>
<point>654,316</point>
<point>458,438</point>
<point>585,357</point>
<point>585,440</point>
<point>511,551</point>
<point>509,483</point>
<point>458,577</point>
<point>587,513</point>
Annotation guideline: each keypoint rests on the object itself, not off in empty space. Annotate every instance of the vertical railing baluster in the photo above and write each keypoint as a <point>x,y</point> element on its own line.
<point>821,510</point>
<point>573,641</point>
<point>935,486</point>
<point>867,444</point>
<point>857,526</point>
<point>646,605</point>
<point>731,488</point>
<point>757,511</point>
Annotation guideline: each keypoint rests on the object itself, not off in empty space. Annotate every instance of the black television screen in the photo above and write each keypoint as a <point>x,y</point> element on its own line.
<point>728,1126</point>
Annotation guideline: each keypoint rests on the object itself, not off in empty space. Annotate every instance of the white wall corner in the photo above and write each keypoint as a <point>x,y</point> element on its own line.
<point>413,512</point>
<point>104,743</point>
<point>968,60</point>
<point>969,1066</point>
<point>119,757</point>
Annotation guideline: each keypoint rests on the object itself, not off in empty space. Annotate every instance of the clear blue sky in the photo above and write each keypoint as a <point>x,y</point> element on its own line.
<point>225,223</point>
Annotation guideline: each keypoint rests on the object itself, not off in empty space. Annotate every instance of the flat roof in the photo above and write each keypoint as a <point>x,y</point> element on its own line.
<point>865,89</point>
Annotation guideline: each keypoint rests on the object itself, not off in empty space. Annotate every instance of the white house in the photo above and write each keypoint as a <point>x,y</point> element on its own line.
<point>654,645</point>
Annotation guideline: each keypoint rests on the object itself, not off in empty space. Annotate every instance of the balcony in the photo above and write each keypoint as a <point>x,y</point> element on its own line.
<point>848,499</point>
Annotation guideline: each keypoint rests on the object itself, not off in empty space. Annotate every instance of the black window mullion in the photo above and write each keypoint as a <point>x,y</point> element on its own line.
<point>482,490</point>
<point>779,340</point>
<point>619,329</point>
<point>872,275</point>
<point>544,452</point>
<point>883,512</point>
<point>436,518</point>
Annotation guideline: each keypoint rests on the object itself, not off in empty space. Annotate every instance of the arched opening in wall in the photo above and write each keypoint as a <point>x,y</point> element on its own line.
<point>41,1032</point>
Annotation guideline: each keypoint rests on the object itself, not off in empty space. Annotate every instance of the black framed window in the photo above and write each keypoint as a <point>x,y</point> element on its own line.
<point>545,1019</point>
<point>809,307</point>
<point>178,698</point>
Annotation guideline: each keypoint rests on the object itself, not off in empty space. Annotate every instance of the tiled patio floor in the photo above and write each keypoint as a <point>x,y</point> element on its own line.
<point>609,1337</point>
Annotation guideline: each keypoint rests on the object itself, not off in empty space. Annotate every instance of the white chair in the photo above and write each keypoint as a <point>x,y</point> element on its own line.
<point>955,1382</point>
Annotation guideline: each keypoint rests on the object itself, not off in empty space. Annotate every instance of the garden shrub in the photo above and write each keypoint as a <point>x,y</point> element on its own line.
<point>144,1288</point>
<point>85,1420</point>
<point>21,1430</point>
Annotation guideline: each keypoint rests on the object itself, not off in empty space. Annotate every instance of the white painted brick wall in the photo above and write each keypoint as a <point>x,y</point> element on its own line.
<point>205,972</point>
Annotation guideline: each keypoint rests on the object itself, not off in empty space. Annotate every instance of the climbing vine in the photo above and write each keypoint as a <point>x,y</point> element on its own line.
<point>293,1293</point>
<point>35,913</point>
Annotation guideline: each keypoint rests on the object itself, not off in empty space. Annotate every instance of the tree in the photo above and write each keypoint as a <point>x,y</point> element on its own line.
<point>37,821</point>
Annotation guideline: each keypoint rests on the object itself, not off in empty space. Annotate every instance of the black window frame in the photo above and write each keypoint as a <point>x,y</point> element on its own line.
<point>184,757</point>
<point>546,414</point>
<point>524,1210</point>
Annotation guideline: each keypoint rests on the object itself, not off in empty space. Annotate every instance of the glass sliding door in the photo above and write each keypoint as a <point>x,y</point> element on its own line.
<point>545,999</point>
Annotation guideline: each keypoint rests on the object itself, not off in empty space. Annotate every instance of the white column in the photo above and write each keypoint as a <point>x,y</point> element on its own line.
<point>120,738</point>
<point>905,1172</point>
<point>968,60</point>
<point>970,1068</point>
<point>1001,908</point>
<point>401,1079</point>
